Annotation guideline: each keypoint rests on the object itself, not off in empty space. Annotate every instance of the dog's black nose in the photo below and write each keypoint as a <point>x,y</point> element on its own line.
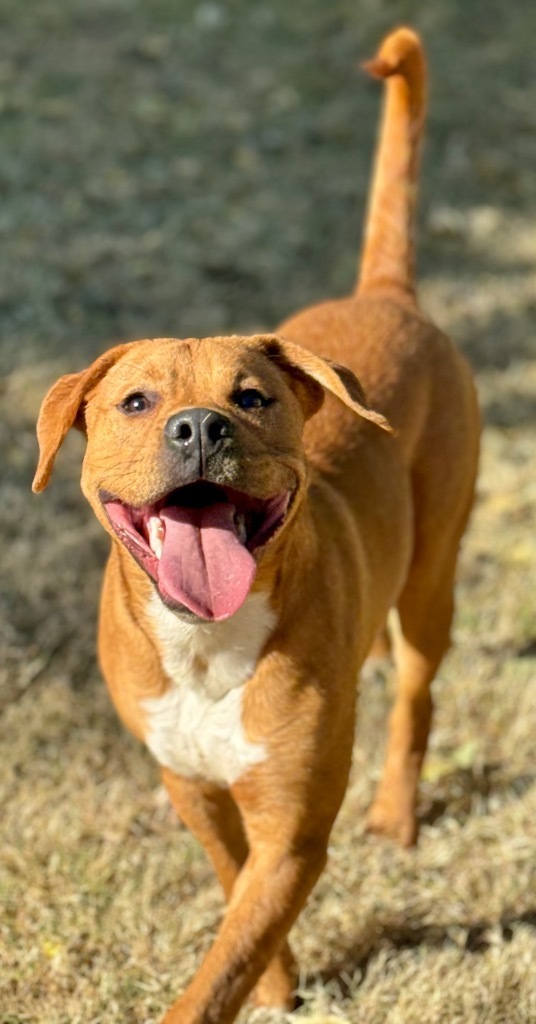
<point>200,431</point>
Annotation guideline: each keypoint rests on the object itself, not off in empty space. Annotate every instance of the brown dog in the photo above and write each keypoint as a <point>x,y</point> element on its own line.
<point>260,536</point>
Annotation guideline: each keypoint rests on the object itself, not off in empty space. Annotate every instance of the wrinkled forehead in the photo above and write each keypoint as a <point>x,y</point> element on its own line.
<point>199,367</point>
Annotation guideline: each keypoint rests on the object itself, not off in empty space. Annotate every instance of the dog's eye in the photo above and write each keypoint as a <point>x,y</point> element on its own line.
<point>250,398</point>
<point>138,402</point>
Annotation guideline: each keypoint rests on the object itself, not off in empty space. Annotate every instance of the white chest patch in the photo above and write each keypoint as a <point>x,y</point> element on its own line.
<point>195,727</point>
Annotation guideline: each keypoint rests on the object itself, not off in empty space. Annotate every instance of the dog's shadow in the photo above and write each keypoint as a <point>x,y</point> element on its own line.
<point>475,936</point>
<point>455,797</point>
<point>478,789</point>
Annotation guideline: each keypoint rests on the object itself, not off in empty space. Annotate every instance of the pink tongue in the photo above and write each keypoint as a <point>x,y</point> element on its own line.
<point>203,565</point>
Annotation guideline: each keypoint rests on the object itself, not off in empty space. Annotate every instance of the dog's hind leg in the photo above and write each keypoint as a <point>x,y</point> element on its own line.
<point>212,816</point>
<point>421,639</point>
<point>425,616</point>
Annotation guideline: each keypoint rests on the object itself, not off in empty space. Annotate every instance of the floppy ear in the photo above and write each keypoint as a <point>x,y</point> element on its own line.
<point>314,375</point>
<point>62,409</point>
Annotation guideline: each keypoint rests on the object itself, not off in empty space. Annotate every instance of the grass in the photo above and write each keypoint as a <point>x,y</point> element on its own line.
<point>188,167</point>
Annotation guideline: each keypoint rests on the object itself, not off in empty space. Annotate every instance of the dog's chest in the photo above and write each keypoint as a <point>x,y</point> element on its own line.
<point>195,727</point>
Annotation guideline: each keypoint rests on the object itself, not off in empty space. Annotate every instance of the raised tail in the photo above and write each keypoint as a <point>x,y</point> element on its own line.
<point>388,258</point>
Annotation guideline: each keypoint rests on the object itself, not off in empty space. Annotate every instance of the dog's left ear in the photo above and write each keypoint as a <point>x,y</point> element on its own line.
<point>313,375</point>
<point>62,409</point>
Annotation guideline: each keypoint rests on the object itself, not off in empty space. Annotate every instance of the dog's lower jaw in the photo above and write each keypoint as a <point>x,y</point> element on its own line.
<point>199,544</point>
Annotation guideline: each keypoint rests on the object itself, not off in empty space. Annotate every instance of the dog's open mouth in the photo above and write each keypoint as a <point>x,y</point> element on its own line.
<point>198,542</point>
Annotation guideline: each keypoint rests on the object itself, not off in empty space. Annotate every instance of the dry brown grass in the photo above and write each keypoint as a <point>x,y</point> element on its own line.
<point>106,902</point>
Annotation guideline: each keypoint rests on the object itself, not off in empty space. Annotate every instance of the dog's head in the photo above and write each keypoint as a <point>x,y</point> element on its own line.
<point>194,458</point>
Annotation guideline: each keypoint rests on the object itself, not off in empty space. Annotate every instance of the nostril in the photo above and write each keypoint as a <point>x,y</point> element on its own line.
<point>180,430</point>
<point>184,432</point>
<point>218,428</point>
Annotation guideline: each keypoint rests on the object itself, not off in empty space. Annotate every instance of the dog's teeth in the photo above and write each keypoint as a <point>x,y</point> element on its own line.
<point>155,529</point>
<point>240,523</point>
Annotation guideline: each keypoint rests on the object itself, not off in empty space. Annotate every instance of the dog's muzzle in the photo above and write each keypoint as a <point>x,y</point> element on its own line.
<point>198,543</point>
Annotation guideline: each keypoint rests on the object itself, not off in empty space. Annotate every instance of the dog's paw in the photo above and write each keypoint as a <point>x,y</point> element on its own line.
<point>276,988</point>
<point>391,823</point>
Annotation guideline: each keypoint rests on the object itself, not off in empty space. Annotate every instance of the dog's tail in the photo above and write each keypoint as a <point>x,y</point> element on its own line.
<point>388,256</point>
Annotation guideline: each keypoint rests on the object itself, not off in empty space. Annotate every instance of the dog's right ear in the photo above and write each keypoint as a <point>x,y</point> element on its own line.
<point>62,409</point>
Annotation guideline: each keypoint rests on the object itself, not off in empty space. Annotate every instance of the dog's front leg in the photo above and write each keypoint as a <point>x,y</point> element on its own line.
<point>211,814</point>
<point>268,895</point>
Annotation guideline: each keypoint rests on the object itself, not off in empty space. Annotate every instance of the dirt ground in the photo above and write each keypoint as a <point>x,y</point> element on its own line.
<point>178,168</point>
